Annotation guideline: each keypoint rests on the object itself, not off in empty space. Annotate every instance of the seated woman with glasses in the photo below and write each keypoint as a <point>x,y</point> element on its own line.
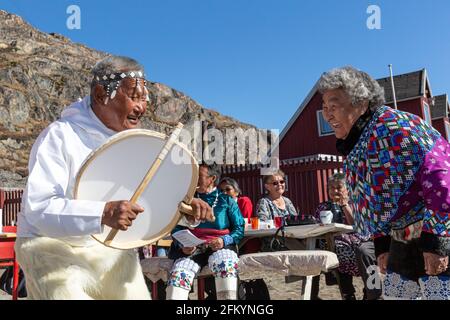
<point>274,205</point>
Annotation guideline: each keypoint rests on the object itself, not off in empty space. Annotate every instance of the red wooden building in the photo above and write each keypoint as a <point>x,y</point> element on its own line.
<point>307,144</point>
<point>10,202</point>
<point>439,115</point>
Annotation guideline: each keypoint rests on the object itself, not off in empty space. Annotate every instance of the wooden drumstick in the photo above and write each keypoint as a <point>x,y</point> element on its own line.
<point>186,208</point>
<point>150,173</point>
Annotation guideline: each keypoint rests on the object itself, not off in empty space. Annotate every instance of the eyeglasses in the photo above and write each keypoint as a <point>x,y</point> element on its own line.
<point>227,189</point>
<point>275,183</point>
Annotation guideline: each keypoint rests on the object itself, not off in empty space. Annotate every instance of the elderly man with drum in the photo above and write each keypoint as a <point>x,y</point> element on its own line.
<point>54,247</point>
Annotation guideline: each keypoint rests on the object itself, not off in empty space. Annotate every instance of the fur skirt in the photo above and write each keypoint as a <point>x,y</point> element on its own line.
<point>56,270</point>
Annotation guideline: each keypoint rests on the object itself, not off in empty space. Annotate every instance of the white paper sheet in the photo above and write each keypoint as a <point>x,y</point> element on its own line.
<point>187,239</point>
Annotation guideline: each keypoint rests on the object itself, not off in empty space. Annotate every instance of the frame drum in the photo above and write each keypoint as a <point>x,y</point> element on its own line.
<point>114,171</point>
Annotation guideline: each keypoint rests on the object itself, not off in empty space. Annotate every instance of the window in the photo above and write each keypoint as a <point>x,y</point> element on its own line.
<point>427,113</point>
<point>324,128</point>
<point>447,129</point>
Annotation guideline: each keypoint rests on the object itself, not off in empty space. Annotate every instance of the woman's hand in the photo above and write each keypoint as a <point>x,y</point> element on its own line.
<point>188,250</point>
<point>216,244</point>
<point>343,198</point>
<point>339,196</point>
<point>382,261</point>
<point>434,264</point>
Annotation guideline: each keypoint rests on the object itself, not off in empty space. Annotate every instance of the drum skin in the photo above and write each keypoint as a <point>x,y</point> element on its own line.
<point>114,170</point>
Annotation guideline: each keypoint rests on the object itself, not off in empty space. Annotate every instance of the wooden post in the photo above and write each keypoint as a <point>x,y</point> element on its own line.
<point>2,201</point>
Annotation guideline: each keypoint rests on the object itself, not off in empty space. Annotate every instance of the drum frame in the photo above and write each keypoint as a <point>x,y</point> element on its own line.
<point>187,198</point>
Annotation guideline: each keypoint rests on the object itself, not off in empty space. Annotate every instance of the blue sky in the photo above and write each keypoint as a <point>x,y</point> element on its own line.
<point>256,60</point>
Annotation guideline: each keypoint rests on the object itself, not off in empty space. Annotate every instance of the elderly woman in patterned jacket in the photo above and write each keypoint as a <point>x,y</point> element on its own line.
<point>397,174</point>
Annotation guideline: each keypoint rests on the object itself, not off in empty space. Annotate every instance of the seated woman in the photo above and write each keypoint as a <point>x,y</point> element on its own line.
<point>254,289</point>
<point>273,205</point>
<point>355,252</point>
<point>231,187</point>
<point>222,237</point>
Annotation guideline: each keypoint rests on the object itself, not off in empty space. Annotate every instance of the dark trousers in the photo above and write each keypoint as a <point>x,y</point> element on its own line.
<point>365,258</point>
<point>345,286</point>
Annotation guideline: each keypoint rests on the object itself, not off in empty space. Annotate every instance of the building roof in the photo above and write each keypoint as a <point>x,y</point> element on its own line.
<point>441,107</point>
<point>407,86</point>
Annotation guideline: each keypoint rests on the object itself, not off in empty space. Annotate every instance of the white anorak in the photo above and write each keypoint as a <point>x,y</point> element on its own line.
<point>48,205</point>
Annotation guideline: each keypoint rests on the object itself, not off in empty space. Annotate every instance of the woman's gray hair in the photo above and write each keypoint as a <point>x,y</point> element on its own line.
<point>357,84</point>
<point>278,172</point>
<point>233,183</point>
<point>337,177</point>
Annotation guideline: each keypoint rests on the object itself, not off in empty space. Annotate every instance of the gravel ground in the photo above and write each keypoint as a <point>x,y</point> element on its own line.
<point>279,290</point>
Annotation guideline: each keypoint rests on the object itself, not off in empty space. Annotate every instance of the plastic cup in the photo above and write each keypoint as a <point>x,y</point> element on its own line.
<point>326,217</point>
<point>278,221</point>
<point>255,223</point>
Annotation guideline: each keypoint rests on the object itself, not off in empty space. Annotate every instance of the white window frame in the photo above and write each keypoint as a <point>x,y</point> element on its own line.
<point>427,113</point>
<point>319,126</point>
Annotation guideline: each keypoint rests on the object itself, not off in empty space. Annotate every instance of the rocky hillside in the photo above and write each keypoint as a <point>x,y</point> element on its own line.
<point>41,73</point>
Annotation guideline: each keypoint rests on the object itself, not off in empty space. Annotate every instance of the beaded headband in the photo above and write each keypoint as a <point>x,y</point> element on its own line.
<point>111,82</point>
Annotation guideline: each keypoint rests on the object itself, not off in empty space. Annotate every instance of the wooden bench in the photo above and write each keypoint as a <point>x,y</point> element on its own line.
<point>297,263</point>
<point>304,263</point>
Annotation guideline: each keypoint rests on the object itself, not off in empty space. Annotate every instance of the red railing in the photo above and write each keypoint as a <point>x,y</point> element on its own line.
<point>306,180</point>
<point>10,202</point>
<point>306,184</point>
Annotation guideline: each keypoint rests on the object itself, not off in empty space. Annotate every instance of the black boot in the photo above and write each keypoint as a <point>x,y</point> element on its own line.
<point>350,296</point>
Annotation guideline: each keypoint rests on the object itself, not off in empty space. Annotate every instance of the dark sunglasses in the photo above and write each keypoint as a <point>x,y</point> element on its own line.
<point>275,183</point>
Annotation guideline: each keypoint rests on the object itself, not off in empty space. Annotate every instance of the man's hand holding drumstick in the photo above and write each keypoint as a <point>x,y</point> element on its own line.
<point>120,214</point>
